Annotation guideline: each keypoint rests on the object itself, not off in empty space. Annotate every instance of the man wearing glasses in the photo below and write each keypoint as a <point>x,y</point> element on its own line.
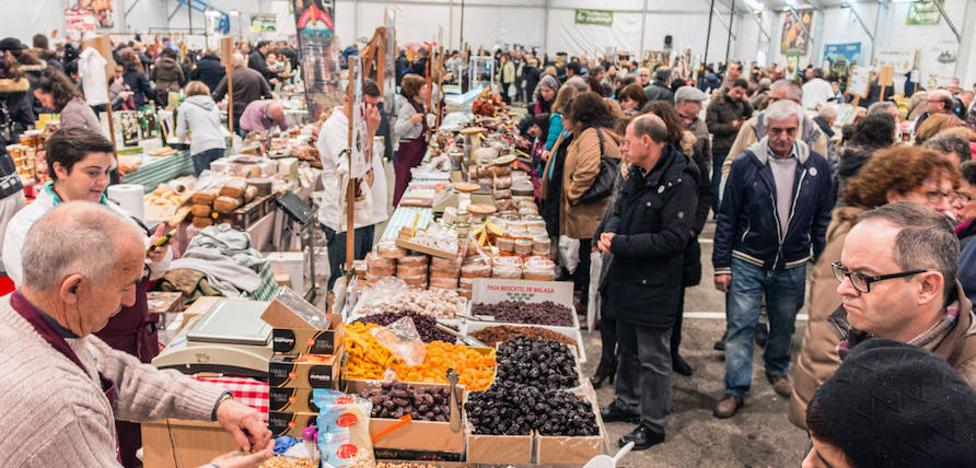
<point>897,279</point>
<point>937,102</point>
<point>772,221</point>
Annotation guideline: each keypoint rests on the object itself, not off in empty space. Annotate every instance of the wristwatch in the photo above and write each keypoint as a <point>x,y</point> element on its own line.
<point>223,396</point>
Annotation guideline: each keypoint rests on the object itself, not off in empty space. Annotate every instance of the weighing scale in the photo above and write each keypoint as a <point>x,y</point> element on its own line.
<point>229,339</point>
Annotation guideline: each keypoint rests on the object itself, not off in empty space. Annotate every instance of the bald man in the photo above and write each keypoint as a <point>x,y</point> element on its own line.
<point>263,115</point>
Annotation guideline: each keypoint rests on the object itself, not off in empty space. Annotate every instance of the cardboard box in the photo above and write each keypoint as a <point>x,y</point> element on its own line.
<point>292,264</point>
<point>174,442</point>
<point>292,399</point>
<point>561,450</point>
<point>418,436</point>
<point>291,310</point>
<point>307,340</point>
<point>304,371</point>
<point>282,423</point>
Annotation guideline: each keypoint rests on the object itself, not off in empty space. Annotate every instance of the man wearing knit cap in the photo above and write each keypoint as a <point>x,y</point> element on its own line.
<point>63,387</point>
<point>891,404</point>
<point>897,278</point>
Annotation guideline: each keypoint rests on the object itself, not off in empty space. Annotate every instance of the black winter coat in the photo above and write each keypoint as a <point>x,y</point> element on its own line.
<point>256,62</point>
<point>138,83</point>
<point>719,116</point>
<point>209,71</point>
<point>658,91</point>
<point>652,222</point>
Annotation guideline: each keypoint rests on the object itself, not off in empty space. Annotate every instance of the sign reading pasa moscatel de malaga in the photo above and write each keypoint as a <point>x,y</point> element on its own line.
<point>598,17</point>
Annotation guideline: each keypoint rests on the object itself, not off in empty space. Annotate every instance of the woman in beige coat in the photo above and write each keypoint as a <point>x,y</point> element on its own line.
<point>901,173</point>
<point>592,122</point>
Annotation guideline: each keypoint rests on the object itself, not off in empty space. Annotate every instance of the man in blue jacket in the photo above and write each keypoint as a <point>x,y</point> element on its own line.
<point>772,221</point>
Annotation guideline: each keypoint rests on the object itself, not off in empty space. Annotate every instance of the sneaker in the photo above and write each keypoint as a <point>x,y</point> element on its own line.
<point>781,385</point>
<point>728,407</point>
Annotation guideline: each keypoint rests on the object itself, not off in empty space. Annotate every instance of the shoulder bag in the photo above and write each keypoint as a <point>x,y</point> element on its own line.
<point>603,185</point>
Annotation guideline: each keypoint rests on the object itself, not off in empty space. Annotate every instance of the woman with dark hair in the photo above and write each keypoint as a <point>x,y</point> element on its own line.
<point>691,272</point>
<point>871,133</point>
<point>411,131</point>
<point>545,94</point>
<point>632,98</point>
<point>59,94</point>
<point>136,80</point>
<point>594,138</point>
<point>595,85</point>
<point>15,96</point>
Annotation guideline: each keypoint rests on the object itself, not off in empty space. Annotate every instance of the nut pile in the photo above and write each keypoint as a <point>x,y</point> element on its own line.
<point>543,313</point>
<point>392,400</point>
<point>531,361</point>
<point>281,462</point>
<point>491,336</point>
<point>440,303</point>
<point>426,325</point>
<point>516,410</point>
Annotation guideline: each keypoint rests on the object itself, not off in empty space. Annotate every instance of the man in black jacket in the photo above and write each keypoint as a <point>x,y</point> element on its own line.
<point>772,221</point>
<point>725,115</point>
<point>249,86</point>
<point>647,235</point>
<point>257,63</point>
<point>209,70</point>
<point>660,89</point>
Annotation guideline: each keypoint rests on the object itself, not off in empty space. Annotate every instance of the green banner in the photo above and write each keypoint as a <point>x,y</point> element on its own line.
<point>598,17</point>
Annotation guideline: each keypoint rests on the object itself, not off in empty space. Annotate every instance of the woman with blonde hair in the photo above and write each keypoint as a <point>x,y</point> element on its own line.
<point>900,173</point>
<point>935,124</point>
<point>198,115</point>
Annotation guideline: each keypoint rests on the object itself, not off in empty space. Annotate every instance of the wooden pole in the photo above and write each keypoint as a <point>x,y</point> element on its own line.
<point>351,185</point>
<point>227,56</point>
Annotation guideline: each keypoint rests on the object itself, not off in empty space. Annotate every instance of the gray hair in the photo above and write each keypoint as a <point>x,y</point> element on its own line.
<point>75,237</point>
<point>926,240</point>
<point>950,143</point>
<point>238,59</point>
<point>881,107</point>
<point>782,110</point>
<point>828,111</point>
<point>650,125</point>
<point>578,83</point>
<point>791,89</point>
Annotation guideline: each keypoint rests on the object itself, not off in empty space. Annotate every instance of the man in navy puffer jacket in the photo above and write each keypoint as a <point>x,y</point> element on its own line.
<point>772,220</point>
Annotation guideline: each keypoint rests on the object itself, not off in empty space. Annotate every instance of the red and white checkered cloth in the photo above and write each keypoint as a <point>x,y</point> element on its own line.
<point>245,390</point>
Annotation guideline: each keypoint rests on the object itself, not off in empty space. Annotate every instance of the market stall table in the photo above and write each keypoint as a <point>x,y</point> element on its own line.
<point>157,170</point>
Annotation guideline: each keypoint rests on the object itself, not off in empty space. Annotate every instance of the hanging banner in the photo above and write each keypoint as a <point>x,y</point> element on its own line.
<point>79,23</point>
<point>795,37</point>
<point>101,9</point>
<point>317,49</point>
<point>923,12</point>
<point>597,17</point>
<point>264,22</point>
<point>842,56</point>
<point>901,60</point>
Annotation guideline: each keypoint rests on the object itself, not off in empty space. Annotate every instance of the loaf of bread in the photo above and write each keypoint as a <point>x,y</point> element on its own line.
<point>202,222</point>
<point>201,211</point>
<point>250,193</point>
<point>233,188</point>
<point>205,197</point>
<point>225,205</point>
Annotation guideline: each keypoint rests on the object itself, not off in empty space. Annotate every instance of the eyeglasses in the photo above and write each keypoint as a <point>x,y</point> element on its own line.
<point>962,198</point>
<point>862,282</point>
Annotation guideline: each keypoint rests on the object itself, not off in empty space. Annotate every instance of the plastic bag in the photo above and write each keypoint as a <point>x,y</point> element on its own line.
<point>343,426</point>
<point>569,253</point>
<point>384,291</point>
<point>402,339</point>
<point>593,307</point>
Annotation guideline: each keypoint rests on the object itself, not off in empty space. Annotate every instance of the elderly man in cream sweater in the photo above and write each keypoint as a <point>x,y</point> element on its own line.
<point>62,387</point>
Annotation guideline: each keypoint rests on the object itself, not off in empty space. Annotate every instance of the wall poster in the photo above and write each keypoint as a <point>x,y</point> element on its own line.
<point>101,9</point>
<point>318,51</point>
<point>840,57</point>
<point>796,39</point>
<point>923,12</point>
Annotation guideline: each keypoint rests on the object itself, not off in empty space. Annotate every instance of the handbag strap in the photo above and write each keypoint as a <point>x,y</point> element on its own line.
<point>599,135</point>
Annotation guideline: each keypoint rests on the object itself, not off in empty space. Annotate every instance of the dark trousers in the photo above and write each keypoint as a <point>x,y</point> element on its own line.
<point>643,383</point>
<point>581,279</point>
<point>363,240</point>
<point>608,340</point>
<point>202,160</point>
<point>678,320</point>
<point>718,158</point>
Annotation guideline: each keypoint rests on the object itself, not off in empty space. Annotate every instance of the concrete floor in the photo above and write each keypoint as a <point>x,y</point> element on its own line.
<point>760,435</point>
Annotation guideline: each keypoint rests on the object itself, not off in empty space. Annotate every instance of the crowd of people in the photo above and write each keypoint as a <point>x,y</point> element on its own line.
<point>872,222</point>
